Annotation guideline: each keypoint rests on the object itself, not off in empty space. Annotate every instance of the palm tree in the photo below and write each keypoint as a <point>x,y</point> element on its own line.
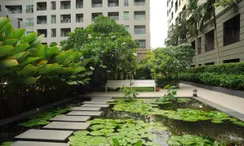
<point>195,15</point>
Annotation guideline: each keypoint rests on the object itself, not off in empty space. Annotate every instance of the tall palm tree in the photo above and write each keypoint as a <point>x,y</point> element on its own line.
<point>195,15</point>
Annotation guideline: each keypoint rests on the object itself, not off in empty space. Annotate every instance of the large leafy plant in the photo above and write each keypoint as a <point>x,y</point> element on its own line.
<point>129,93</point>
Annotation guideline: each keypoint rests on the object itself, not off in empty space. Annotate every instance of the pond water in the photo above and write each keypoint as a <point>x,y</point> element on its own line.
<point>227,132</point>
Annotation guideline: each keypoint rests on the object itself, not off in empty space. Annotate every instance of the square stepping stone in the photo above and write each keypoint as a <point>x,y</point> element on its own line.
<point>45,135</point>
<point>67,126</point>
<point>86,108</point>
<point>64,118</point>
<point>85,113</point>
<point>95,105</point>
<point>30,143</point>
<point>95,102</point>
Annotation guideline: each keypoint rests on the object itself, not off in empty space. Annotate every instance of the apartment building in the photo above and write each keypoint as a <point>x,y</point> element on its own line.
<point>230,35</point>
<point>56,18</point>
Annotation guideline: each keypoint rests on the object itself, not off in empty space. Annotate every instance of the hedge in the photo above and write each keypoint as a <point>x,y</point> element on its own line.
<point>225,75</point>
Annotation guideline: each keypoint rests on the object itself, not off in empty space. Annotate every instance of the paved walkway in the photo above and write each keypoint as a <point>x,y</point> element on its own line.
<point>222,101</point>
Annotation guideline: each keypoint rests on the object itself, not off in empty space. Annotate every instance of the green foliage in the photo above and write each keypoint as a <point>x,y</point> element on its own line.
<point>223,75</point>
<point>116,132</point>
<point>110,46</point>
<point>190,140</point>
<point>9,143</point>
<point>129,93</point>
<point>170,95</point>
<point>187,115</point>
<point>44,117</point>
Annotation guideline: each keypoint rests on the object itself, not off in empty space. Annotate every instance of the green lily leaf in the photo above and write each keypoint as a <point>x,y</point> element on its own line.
<point>5,50</point>
<point>30,60</point>
<point>3,22</point>
<point>29,38</point>
<point>20,48</point>
<point>17,34</point>
<point>30,80</point>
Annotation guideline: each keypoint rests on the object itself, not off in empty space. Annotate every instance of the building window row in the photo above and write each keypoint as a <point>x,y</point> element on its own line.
<point>231,34</point>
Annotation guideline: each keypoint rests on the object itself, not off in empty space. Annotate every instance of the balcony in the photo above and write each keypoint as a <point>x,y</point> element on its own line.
<point>42,31</point>
<point>65,5</point>
<point>65,32</point>
<point>79,4</point>
<point>95,15</point>
<point>113,3</point>
<point>97,3</point>
<point>139,2</point>
<point>65,18</point>
<point>17,9</point>
<point>41,19</point>
<point>41,6</point>
<point>79,18</point>
<point>113,15</point>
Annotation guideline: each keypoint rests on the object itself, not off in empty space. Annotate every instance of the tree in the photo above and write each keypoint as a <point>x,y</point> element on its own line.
<point>109,44</point>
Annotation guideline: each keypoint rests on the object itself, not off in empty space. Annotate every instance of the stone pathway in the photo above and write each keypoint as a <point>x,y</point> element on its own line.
<point>62,126</point>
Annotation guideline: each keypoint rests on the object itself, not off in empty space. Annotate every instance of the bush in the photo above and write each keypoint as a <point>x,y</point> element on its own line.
<point>224,75</point>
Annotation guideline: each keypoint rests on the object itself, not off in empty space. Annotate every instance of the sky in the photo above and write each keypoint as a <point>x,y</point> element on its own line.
<point>158,24</point>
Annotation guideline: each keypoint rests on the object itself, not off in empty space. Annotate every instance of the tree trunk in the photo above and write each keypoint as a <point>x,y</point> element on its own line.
<point>216,36</point>
<point>196,44</point>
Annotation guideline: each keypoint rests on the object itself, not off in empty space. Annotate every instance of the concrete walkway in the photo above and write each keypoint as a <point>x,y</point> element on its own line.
<point>232,105</point>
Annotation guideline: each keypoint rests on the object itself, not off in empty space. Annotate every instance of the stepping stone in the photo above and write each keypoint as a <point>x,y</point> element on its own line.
<point>86,109</point>
<point>67,126</point>
<point>30,143</point>
<point>85,113</point>
<point>95,105</point>
<point>70,118</point>
<point>45,135</point>
<point>95,102</point>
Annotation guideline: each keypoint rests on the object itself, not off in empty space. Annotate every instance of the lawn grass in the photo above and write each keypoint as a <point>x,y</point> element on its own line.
<point>144,89</point>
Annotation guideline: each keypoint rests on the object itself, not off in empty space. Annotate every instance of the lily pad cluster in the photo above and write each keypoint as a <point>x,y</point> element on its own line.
<point>188,115</point>
<point>192,140</point>
<point>127,132</point>
<point>179,100</point>
<point>44,117</point>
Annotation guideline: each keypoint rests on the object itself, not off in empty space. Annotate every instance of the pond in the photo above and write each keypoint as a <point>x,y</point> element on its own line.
<point>148,123</point>
<point>187,122</point>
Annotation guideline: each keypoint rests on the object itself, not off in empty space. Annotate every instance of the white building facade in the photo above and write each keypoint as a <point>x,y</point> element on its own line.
<point>56,18</point>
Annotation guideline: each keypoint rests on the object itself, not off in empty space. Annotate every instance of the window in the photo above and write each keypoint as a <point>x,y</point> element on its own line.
<point>53,5</point>
<point>113,15</point>
<point>232,60</point>
<point>95,15</point>
<point>142,43</point>
<point>139,2</point>
<point>97,3</point>
<point>28,32</point>
<point>126,15</point>
<point>41,6</point>
<point>0,8</point>
<point>209,44</point>
<point>127,27</point>
<point>113,3</point>
<point>176,6</point>
<point>29,22</point>
<point>199,45</point>
<point>139,29</point>
<point>79,4</point>
<point>65,5</point>
<point>53,32</point>
<point>126,3</point>
<point>42,32</point>
<point>41,19</point>
<point>179,2</point>
<point>193,45</point>
<point>53,19</point>
<point>232,30</point>
<point>65,32</point>
<point>140,15</point>
<point>65,18</point>
<point>210,63</point>
<point>29,9</point>
<point>79,18</point>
